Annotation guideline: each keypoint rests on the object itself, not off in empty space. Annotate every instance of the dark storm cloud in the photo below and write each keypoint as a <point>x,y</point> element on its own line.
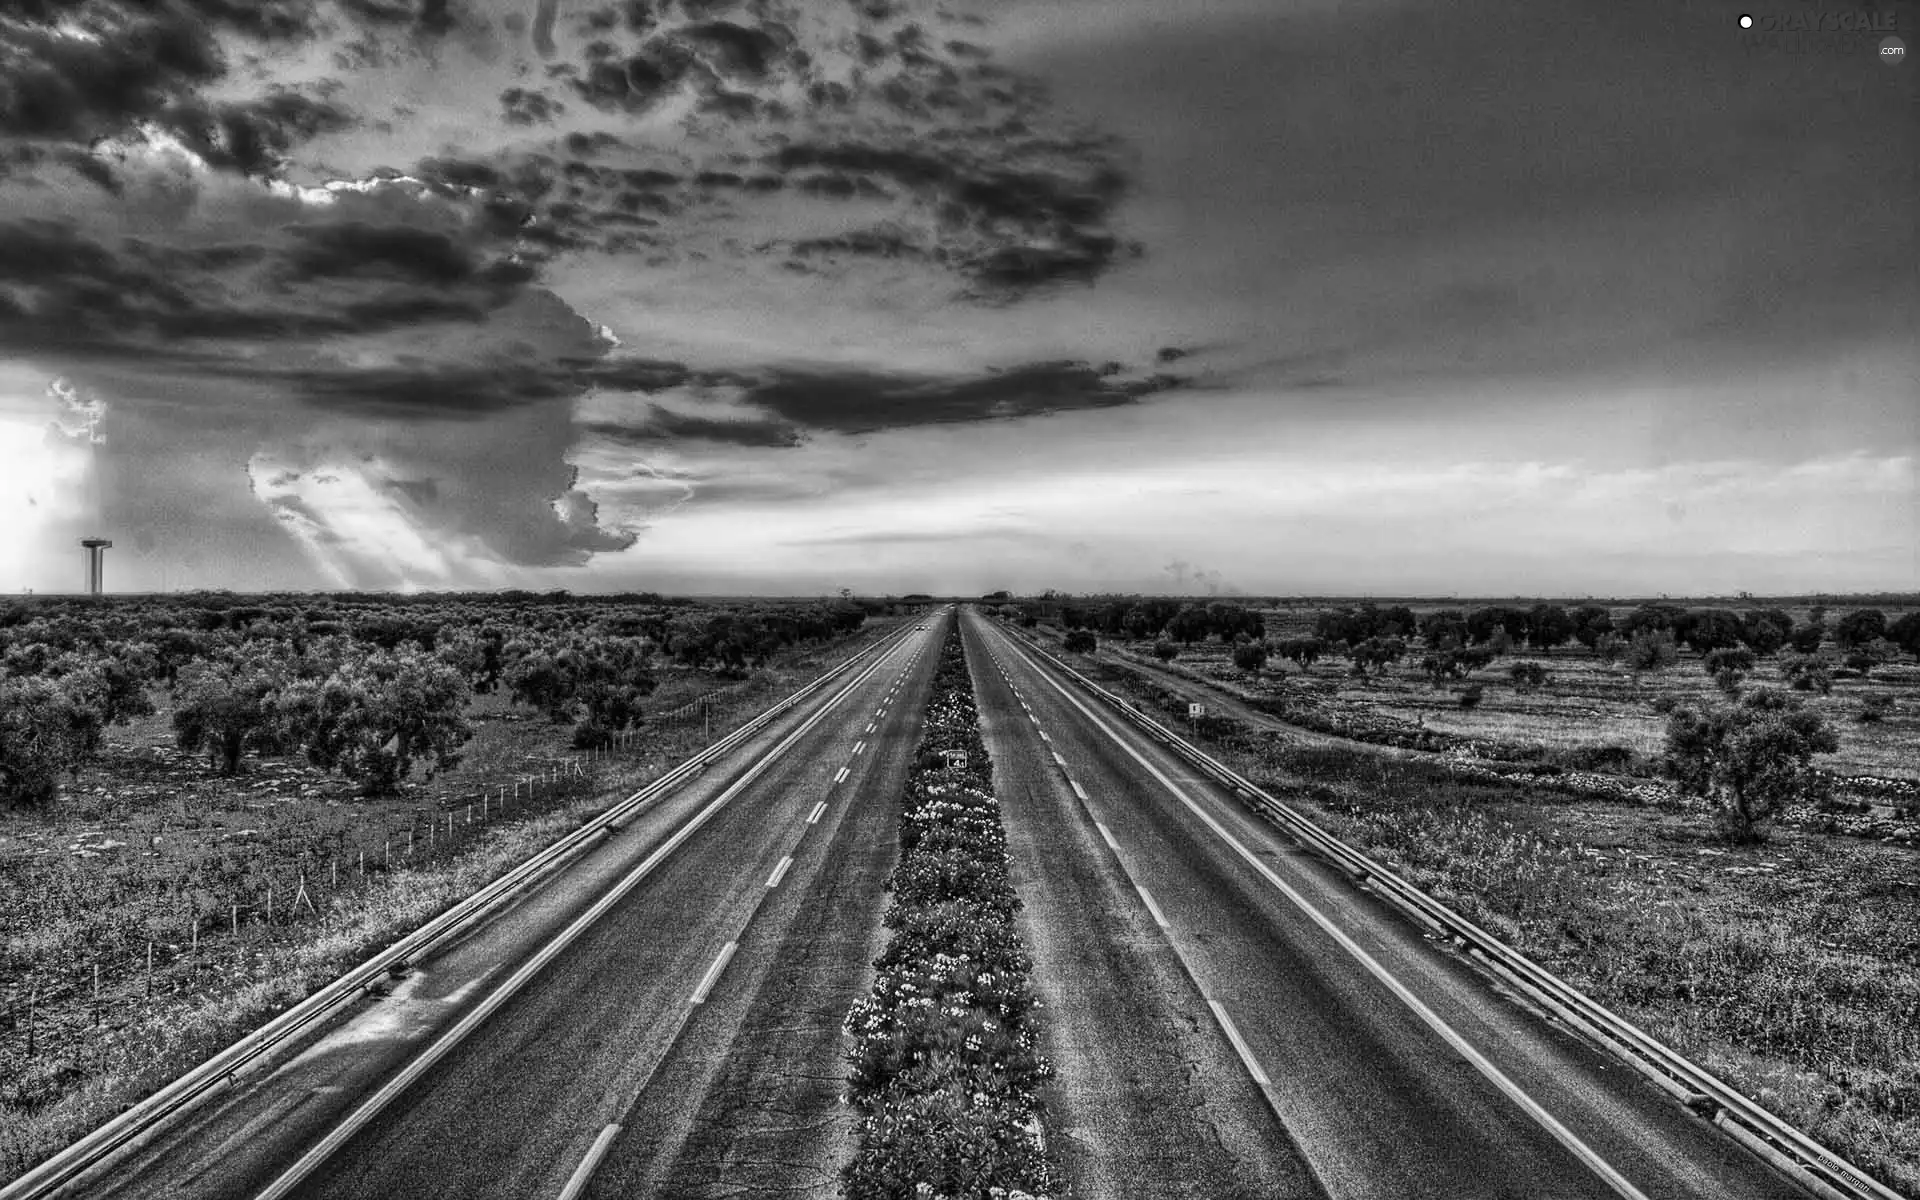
<point>854,401</point>
<point>423,390</point>
<point>145,62</point>
<point>395,251</point>
<point>665,425</point>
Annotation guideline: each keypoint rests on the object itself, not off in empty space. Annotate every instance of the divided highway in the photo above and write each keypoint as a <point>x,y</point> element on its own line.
<point>688,1032</point>
<point>1231,1016</point>
<point>1178,936</point>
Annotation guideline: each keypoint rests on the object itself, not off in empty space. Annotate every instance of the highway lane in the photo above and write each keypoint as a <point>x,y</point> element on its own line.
<point>576,1042</point>
<point>1150,1102</point>
<point>1378,1103</point>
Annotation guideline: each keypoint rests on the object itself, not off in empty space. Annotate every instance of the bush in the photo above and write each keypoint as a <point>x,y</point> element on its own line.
<point>1748,759</point>
<point>1728,666</point>
<point>1250,656</point>
<point>1874,708</point>
<point>1609,648</point>
<point>1651,650</point>
<point>1808,673</point>
<point>1527,675</point>
<point>1081,641</point>
<point>1165,651</point>
<point>1470,695</point>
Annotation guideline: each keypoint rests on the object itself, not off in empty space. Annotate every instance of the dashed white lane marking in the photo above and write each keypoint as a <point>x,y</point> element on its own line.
<point>858,747</point>
<point>1058,759</point>
<point>577,1183</point>
<point>1239,1043</point>
<point>869,726</point>
<point>841,777</point>
<point>1077,789</point>
<point>1159,918</point>
<point>1106,835</point>
<point>713,973</point>
<point>814,816</point>
<point>1044,736</point>
<point>780,872</point>
<point>1034,719</point>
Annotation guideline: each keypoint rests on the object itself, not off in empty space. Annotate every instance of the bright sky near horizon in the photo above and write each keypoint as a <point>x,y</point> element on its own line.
<point>752,296</point>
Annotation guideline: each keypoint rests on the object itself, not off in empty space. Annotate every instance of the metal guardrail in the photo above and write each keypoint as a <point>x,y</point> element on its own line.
<point>1786,1147</point>
<point>253,1051</point>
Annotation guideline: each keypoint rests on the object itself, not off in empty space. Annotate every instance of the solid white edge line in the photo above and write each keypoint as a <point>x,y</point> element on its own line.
<point>1106,835</point>
<point>577,1183</point>
<point>1433,1021</point>
<point>841,776</point>
<point>1239,1044</point>
<point>713,973</point>
<point>814,816</point>
<point>780,872</point>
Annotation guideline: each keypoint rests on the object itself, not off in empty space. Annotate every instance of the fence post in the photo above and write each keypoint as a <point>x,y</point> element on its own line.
<point>196,935</point>
<point>96,993</point>
<point>33,1002</point>
<point>269,902</point>
<point>149,968</point>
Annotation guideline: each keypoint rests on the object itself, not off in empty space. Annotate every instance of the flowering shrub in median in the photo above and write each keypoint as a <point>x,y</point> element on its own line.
<point>945,1067</point>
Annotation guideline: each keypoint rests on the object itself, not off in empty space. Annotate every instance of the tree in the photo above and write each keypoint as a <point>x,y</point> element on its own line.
<point>1549,625</point>
<point>1250,656</point>
<point>1806,639</point>
<point>1708,629</point>
<point>1081,641</point>
<point>1728,666</point>
<point>1376,653</point>
<point>226,703</point>
<point>1651,650</point>
<point>1905,633</point>
<point>1860,627</point>
<point>1609,648</point>
<point>1165,651</point>
<point>1766,629</point>
<point>1444,629</point>
<point>1591,622</point>
<point>43,734</point>
<point>1749,758</point>
<point>1650,617</point>
<point>1875,707</point>
<point>1303,651</point>
<point>374,718</point>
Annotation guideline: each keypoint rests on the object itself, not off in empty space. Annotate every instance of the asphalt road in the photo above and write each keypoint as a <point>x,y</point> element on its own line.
<point>1362,1097</point>
<point>742,1085</point>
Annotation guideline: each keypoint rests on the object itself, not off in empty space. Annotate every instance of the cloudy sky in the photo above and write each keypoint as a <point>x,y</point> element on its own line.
<point>1277,296</point>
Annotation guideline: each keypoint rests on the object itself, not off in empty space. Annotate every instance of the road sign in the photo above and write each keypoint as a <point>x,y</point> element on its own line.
<point>955,758</point>
<point>1196,711</point>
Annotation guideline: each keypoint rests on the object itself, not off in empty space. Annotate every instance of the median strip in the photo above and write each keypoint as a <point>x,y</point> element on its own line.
<point>945,1070</point>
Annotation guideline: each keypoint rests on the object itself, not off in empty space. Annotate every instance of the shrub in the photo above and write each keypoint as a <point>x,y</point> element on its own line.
<point>1728,666</point>
<point>1250,656</point>
<point>1470,695</point>
<point>1081,641</point>
<point>1165,651</point>
<point>1609,648</point>
<point>1874,708</point>
<point>1527,675</point>
<point>1651,650</point>
<point>1808,673</point>
<point>1748,759</point>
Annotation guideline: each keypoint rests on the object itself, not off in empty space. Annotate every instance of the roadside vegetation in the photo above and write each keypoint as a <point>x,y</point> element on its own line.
<point>945,1069</point>
<point>1703,818</point>
<point>162,896</point>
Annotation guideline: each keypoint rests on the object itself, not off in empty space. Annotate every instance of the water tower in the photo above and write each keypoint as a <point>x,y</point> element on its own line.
<point>95,547</point>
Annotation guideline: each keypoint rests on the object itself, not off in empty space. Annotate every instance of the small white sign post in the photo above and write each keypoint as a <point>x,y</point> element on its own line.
<point>956,759</point>
<point>1196,711</point>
